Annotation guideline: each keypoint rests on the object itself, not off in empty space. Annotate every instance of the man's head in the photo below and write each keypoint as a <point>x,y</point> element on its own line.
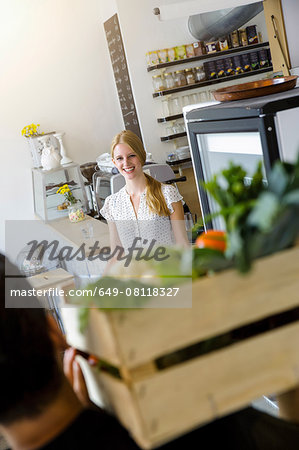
<point>30,377</point>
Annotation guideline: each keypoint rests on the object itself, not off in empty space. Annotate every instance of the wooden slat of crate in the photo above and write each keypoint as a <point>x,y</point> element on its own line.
<point>158,406</point>
<point>174,401</point>
<point>98,338</point>
<point>124,404</point>
<point>220,303</point>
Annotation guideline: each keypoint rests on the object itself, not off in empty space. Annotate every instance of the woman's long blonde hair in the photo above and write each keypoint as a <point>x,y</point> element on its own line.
<point>154,197</point>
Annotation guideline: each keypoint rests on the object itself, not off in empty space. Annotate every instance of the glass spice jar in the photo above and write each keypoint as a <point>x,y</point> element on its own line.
<point>158,83</point>
<point>76,213</point>
<point>176,107</point>
<point>190,76</point>
<point>169,81</point>
<point>180,78</point>
<point>166,106</point>
<point>199,74</point>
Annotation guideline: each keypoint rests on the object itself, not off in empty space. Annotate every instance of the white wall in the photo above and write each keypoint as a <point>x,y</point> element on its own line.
<point>55,70</point>
<point>108,9</point>
<point>291,17</point>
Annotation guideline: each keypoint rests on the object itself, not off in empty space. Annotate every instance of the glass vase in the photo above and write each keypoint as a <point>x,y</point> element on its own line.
<point>76,213</point>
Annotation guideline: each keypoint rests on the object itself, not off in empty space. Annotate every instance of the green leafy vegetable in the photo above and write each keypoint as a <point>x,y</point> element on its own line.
<point>259,218</point>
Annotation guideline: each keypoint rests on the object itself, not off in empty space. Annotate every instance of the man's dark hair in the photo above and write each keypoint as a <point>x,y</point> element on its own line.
<point>30,377</point>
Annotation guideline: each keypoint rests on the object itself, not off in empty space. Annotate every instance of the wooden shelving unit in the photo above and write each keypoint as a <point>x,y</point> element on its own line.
<point>169,118</point>
<point>212,82</point>
<point>201,84</point>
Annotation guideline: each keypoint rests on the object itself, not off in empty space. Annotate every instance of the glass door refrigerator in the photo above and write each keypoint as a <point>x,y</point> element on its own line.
<point>243,132</point>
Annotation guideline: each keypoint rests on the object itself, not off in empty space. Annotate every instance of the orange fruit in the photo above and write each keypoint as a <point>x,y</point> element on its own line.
<point>213,239</point>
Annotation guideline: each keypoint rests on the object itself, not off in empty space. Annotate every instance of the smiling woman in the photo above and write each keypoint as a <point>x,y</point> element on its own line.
<point>144,207</point>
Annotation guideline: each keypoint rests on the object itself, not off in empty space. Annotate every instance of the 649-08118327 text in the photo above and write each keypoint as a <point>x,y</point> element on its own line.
<point>139,291</point>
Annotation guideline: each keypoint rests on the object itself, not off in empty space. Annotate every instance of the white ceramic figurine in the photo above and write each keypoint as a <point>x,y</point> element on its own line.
<point>50,158</point>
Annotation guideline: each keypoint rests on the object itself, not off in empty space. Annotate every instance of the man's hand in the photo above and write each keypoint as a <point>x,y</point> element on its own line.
<point>74,374</point>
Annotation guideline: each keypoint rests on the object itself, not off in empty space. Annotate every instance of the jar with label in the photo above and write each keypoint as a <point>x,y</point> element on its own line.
<point>246,66</point>
<point>158,83</point>
<point>234,38</point>
<point>263,58</point>
<point>223,44</point>
<point>180,52</point>
<point>171,54</point>
<point>237,62</point>
<point>252,36</point>
<point>190,51</point>
<point>220,68</point>
<point>210,70</point>
<point>243,37</point>
<point>152,58</point>
<point>180,78</point>
<point>190,76</point>
<point>199,48</point>
<point>162,55</point>
<point>169,81</point>
<point>212,47</point>
<point>229,67</point>
<point>254,60</point>
<point>199,74</point>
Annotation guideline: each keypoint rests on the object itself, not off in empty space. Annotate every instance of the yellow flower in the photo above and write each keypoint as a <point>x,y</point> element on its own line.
<point>31,130</point>
<point>68,195</point>
<point>63,189</point>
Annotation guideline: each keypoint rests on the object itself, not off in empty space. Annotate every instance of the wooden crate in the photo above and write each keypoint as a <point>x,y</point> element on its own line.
<point>159,405</point>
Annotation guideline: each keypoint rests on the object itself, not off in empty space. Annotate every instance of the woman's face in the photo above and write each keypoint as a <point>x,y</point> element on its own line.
<point>126,161</point>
